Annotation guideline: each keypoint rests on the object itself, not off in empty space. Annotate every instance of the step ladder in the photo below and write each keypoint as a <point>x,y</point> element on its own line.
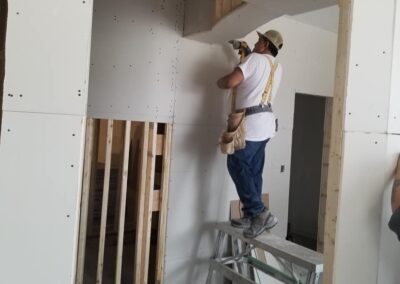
<point>241,264</point>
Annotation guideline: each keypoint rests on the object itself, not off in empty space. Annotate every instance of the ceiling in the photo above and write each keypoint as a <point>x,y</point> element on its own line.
<point>326,18</point>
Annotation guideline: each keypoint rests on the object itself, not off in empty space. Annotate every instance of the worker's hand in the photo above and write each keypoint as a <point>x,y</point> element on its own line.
<point>236,44</point>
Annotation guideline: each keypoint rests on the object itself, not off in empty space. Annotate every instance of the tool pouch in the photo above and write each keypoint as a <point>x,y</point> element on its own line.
<point>234,137</point>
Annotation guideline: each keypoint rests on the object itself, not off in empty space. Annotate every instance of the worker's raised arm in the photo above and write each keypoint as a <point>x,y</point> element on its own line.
<point>231,80</point>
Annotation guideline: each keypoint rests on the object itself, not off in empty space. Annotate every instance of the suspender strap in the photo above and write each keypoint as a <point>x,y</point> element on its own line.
<point>266,98</point>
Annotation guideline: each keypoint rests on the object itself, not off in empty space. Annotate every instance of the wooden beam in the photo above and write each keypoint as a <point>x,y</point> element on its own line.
<point>87,169</point>
<point>324,173</point>
<point>336,149</point>
<point>93,176</point>
<point>156,200</point>
<point>148,212</point>
<point>124,185</point>
<point>106,188</point>
<point>164,192</point>
<point>141,204</point>
<point>160,144</point>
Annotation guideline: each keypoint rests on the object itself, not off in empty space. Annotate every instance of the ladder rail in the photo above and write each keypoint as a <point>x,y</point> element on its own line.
<point>244,264</point>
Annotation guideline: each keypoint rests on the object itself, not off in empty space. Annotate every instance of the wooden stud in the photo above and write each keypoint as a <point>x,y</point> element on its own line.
<point>156,200</point>
<point>87,169</point>
<point>106,189</point>
<point>93,176</point>
<point>141,204</point>
<point>164,191</point>
<point>324,174</point>
<point>151,159</point>
<point>160,144</point>
<point>336,149</point>
<point>124,185</point>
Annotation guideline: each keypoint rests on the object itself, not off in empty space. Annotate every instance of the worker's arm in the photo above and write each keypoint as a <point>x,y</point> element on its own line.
<point>396,188</point>
<point>231,80</point>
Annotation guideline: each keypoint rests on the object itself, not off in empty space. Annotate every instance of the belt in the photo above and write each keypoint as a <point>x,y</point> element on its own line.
<point>256,109</point>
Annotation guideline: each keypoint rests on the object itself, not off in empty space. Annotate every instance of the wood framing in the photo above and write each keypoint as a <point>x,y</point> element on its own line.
<point>224,7</point>
<point>125,185</point>
<point>104,207</point>
<point>87,169</point>
<point>122,207</point>
<point>148,210</point>
<point>163,205</point>
<point>141,209</point>
<point>324,173</point>
<point>336,149</point>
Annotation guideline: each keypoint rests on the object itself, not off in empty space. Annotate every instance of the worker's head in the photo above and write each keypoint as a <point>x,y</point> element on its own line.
<point>269,42</point>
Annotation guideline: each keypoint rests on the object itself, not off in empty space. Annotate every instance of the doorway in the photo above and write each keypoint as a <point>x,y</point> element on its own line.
<point>306,169</point>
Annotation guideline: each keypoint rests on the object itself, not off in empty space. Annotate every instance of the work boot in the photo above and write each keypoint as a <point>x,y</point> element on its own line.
<point>263,221</point>
<point>241,223</point>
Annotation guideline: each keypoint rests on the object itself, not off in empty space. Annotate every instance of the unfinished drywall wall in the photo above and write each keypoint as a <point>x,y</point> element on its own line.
<point>41,145</point>
<point>40,181</point>
<point>134,59</point>
<point>367,161</point>
<point>130,33</point>
<point>200,186</point>
<point>389,249</point>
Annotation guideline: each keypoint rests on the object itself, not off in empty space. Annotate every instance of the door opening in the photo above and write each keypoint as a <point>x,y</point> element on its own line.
<point>306,166</point>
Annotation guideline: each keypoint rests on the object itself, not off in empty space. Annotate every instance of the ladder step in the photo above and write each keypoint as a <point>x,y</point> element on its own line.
<point>304,257</point>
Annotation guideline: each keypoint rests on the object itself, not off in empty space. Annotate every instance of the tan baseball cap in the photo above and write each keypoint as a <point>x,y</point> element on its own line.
<point>274,37</point>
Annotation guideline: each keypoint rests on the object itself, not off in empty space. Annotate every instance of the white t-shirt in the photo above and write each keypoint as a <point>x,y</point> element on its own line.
<point>256,69</point>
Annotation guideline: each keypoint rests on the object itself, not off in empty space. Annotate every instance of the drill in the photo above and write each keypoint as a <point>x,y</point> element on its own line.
<point>242,47</point>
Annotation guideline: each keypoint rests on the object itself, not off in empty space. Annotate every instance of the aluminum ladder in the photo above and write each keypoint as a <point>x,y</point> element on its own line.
<point>239,266</point>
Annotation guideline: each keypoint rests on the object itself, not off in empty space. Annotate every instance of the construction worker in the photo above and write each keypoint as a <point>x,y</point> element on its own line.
<point>394,223</point>
<point>245,166</point>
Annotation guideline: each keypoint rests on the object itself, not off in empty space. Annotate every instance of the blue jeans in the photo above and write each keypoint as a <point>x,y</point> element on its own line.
<point>246,167</point>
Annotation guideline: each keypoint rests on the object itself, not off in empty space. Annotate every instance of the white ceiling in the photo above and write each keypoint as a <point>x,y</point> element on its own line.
<point>326,18</point>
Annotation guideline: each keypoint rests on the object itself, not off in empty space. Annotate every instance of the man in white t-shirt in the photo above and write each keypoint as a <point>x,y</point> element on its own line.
<point>246,166</point>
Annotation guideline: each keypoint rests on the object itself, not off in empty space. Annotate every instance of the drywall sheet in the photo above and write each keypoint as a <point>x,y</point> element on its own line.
<point>47,51</point>
<point>370,64</point>
<point>359,216</point>
<point>40,178</point>
<point>389,253</point>
<point>134,59</point>
<point>394,111</point>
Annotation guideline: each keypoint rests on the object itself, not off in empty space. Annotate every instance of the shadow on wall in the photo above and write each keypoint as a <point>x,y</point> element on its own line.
<point>201,144</point>
<point>3,28</point>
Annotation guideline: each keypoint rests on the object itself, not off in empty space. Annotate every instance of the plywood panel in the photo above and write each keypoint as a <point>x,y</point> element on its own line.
<point>370,67</point>
<point>359,216</point>
<point>134,59</point>
<point>47,51</point>
<point>40,179</point>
